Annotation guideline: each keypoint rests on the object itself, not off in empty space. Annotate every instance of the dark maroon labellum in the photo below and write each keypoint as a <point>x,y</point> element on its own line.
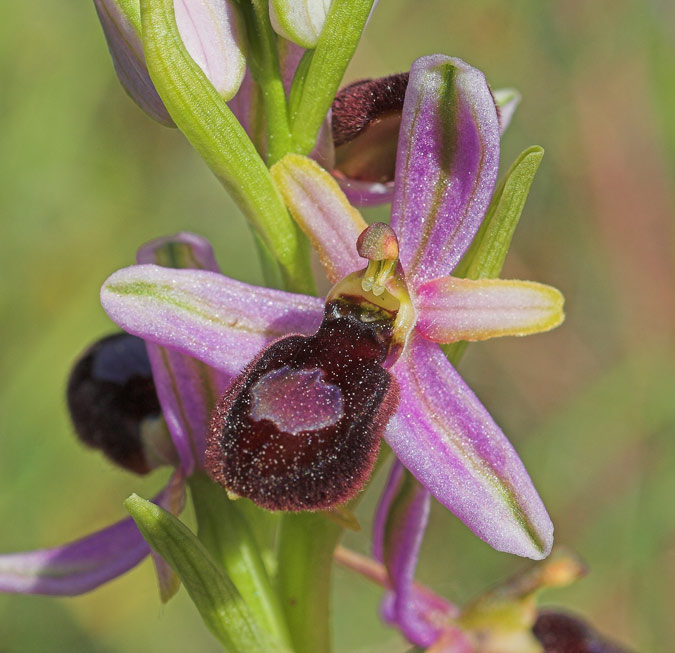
<point>300,428</point>
<point>110,394</point>
<point>564,633</point>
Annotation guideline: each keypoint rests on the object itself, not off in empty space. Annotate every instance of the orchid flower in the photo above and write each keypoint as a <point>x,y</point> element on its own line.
<point>115,394</point>
<point>504,618</point>
<point>365,121</point>
<point>446,170</point>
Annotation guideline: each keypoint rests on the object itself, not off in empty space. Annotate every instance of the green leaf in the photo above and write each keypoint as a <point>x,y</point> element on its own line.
<point>220,605</point>
<point>337,43</point>
<point>485,257</point>
<point>207,122</point>
<point>224,530</point>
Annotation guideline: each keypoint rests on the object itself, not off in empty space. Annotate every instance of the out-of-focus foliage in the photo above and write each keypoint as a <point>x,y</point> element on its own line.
<point>85,177</point>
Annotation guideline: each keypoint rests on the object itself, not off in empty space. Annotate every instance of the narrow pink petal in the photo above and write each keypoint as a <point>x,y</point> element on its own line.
<point>398,531</point>
<point>446,438</point>
<point>323,212</point>
<point>213,34</point>
<point>451,309</point>
<point>82,565</point>
<point>187,388</point>
<point>425,605</point>
<point>222,322</point>
<point>446,166</point>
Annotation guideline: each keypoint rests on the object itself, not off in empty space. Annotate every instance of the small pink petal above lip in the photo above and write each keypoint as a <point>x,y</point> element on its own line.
<point>213,34</point>
<point>452,309</point>
<point>221,322</point>
<point>446,167</point>
<point>323,212</point>
<point>447,439</point>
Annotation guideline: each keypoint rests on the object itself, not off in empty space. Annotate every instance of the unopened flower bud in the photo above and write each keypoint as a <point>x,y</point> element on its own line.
<point>121,22</point>
<point>213,34</point>
<point>300,21</point>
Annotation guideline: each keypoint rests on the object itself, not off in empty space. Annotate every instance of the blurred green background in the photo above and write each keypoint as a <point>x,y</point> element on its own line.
<point>86,177</point>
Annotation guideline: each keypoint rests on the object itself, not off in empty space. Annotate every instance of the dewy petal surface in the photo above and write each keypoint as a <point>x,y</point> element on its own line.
<point>323,212</point>
<point>446,167</point>
<point>447,439</point>
<point>222,322</point>
<point>187,388</point>
<point>213,34</point>
<point>82,565</point>
<point>451,309</point>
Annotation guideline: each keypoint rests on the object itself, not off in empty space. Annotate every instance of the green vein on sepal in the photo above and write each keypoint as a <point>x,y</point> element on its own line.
<point>221,606</point>
<point>207,122</point>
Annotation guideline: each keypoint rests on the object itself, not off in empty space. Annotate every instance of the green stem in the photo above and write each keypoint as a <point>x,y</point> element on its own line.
<point>207,122</point>
<point>264,65</point>
<point>225,532</point>
<point>341,34</point>
<point>305,550</point>
<point>305,553</point>
<point>269,265</point>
